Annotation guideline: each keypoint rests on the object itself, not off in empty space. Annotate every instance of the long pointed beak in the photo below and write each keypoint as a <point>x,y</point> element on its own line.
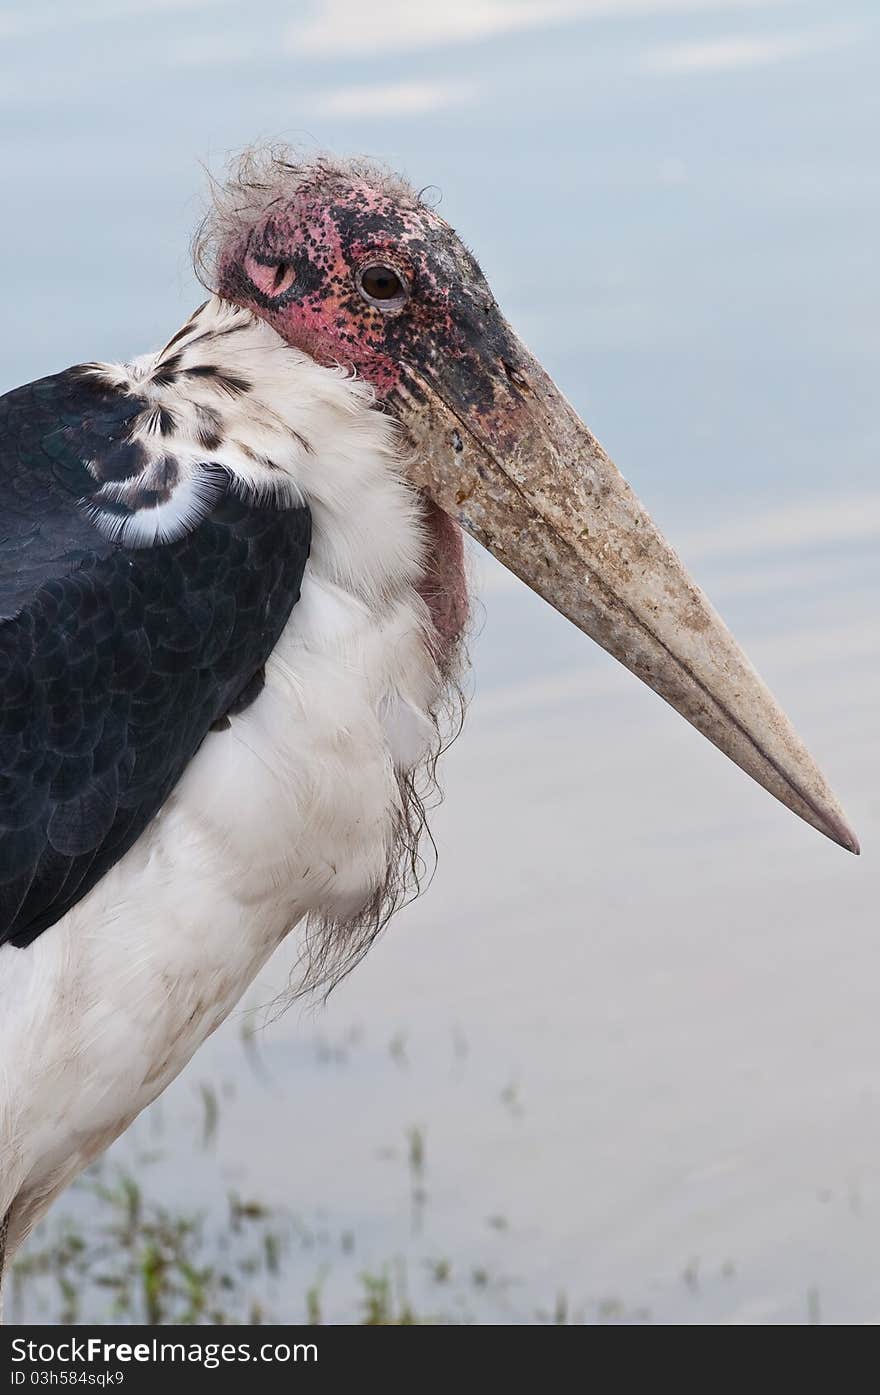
<point>500,449</point>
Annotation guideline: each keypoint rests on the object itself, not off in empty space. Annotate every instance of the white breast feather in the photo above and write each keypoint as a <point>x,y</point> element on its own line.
<point>294,811</point>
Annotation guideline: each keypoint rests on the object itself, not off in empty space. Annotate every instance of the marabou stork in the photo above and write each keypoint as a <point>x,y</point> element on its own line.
<point>232,589</point>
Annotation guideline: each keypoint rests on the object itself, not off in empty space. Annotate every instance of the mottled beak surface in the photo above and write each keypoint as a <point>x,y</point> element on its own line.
<point>500,449</point>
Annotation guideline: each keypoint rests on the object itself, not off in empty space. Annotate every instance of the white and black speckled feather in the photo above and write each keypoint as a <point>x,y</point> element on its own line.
<point>204,422</point>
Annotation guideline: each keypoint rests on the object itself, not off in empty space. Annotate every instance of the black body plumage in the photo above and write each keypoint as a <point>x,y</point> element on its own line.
<point>115,660</point>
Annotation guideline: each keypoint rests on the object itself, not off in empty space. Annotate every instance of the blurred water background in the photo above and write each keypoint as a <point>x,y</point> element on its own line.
<point>634,1025</point>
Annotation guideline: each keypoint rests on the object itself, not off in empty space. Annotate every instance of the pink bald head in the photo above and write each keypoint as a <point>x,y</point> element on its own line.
<point>305,248</point>
<point>303,256</point>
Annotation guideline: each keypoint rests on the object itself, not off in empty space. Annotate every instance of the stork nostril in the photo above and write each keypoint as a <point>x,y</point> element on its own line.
<point>514,376</point>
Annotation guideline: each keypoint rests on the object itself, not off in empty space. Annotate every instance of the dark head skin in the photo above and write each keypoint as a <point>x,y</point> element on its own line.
<point>300,267</point>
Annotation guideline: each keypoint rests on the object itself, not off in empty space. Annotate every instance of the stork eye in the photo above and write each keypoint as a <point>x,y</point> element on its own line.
<point>382,286</point>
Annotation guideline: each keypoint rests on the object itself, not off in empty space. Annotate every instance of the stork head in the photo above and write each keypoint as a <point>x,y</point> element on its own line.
<point>348,264</point>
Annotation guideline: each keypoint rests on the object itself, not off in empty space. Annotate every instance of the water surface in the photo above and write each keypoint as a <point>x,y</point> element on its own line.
<point>636,1014</point>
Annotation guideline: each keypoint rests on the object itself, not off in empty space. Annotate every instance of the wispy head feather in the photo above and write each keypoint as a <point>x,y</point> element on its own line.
<point>262,178</point>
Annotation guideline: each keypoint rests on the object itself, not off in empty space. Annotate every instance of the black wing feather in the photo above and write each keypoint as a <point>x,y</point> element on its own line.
<point>114,661</point>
